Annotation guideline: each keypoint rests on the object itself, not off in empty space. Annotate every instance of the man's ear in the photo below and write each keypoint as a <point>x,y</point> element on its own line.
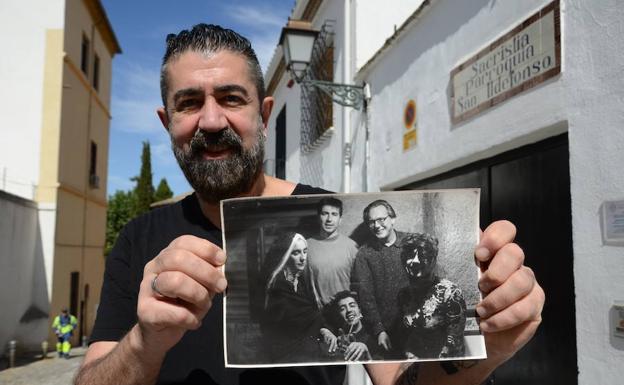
<point>267,107</point>
<point>164,118</point>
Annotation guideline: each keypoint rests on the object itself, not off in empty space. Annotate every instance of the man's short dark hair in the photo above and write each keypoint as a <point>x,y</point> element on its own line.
<point>342,295</point>
<point>377,203</point>
<point>332,310</point>
<point>210,38</point>
<point>329,201</point>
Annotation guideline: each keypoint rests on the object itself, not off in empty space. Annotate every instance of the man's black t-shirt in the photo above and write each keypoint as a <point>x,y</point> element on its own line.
<point>198,357</point>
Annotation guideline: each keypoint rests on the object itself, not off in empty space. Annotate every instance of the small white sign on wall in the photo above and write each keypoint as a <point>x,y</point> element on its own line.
<point>613,223</point>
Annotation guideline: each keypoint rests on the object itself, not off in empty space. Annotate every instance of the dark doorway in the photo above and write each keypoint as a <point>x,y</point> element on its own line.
<point>84,305</point>
<point>280,144</point>
<point>530,186</point>
<point>74,281</point>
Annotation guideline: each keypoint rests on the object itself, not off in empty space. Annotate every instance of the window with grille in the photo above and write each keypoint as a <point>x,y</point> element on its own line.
<point>84,55</point>
<point>316,105</point>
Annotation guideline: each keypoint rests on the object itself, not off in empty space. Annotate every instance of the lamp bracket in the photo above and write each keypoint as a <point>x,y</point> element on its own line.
<point>347,95</point>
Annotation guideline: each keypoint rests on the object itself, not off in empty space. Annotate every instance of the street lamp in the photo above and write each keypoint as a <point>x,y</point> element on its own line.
<point>297,41</point>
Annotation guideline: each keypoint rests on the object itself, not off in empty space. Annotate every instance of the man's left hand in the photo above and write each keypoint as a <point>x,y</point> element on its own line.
<point>511,310</point>
<point>357,351</point>
<point>510,313</point>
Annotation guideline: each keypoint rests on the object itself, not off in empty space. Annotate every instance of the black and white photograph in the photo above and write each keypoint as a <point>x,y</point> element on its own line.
<point>345,278</point>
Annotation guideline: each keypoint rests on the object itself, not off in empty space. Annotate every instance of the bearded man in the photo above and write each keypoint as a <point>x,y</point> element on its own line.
<point>160,316</point>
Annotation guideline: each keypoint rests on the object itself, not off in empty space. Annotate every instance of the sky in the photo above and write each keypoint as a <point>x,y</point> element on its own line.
<point>141,27</point>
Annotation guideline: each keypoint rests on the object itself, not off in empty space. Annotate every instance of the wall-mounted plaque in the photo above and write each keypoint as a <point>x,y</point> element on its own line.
<point>524,57</point>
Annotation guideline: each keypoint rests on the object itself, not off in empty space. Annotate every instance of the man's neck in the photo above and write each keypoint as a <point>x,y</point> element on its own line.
<point>392,237</point>
<point>325,235</point>
<point>355,328</point>
<point>263,186</point>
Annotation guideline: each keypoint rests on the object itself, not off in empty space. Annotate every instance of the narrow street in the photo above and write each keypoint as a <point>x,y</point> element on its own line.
<point>51,371</point>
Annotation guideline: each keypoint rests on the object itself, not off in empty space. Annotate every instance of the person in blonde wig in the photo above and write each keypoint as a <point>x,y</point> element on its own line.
<point>292,318</point>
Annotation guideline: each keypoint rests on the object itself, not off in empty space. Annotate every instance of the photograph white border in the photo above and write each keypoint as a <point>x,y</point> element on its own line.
<point>475,344</point>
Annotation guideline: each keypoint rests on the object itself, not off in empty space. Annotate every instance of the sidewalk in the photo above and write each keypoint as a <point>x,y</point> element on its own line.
<point>51,371</point>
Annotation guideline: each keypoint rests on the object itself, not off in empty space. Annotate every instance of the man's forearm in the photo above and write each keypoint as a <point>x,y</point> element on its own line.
<point>454,373</point>
<point>128,363</point>
<point>468,373</point>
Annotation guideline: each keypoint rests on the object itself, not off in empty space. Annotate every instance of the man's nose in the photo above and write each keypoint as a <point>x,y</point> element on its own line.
<point>212,118</point>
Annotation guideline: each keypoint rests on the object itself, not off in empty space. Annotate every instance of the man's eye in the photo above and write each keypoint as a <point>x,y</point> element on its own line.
<point>232,100</point>
<point>187,104</point>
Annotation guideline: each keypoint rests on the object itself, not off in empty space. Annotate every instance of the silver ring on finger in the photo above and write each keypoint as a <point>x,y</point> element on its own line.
<point>155,288</point>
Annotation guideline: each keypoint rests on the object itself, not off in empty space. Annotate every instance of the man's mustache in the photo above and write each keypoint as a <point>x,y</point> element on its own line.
<point>207,141</point>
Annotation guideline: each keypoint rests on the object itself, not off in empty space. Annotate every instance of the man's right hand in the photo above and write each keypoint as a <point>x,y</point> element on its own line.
<point>383,339</point>
<point>188,275</point>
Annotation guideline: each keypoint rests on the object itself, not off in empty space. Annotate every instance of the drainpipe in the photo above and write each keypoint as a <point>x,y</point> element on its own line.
<point>367,149</point>
<point>346,116</point>
<point>12,350</point>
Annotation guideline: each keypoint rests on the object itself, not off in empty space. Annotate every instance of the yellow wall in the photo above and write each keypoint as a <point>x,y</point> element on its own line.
<point>99,134</point>
<point>83,117</point>
<point>50,126</point>
<point>74,164</point>
<point>95,225</point>
<point>93,276</point>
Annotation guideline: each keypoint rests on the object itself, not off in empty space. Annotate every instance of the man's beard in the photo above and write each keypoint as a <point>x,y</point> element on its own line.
<point>217,179</point>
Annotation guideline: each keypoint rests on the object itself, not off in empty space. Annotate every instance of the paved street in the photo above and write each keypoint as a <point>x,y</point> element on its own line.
<point>51,371</point>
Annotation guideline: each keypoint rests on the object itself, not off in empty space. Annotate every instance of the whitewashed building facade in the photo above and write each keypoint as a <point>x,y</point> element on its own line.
<point>451,103</point>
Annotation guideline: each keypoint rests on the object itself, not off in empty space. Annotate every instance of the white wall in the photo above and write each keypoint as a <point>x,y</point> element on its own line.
<point>23,26</point>
<point>24,297</point>
<point>418,67</point>
<point>594,98</point>
<point>585,100</point>
<point>374,23</point>
<point>291,98</point>
<point>47,231</point>
<point>323,166</point>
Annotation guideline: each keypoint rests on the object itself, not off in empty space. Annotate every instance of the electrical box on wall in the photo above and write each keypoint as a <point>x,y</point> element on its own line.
<point>619,319</point>
<point>612,224</point>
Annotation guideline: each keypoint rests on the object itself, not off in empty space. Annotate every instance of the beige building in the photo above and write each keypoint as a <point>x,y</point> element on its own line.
<point>54,151</point>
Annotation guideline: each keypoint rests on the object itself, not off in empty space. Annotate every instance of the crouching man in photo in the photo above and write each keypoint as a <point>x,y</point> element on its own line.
<point>352,340</point>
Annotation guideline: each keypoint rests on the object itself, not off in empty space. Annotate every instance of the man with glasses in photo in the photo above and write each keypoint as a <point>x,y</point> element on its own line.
<point>378,274</point>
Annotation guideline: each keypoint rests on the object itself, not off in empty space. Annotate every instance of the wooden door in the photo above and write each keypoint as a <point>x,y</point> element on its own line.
<point>530,186</point>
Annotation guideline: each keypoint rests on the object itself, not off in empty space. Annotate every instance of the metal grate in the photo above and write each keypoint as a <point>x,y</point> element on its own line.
<point>316,106</point>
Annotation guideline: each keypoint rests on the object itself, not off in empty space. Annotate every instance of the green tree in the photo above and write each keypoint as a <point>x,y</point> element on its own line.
<point>121,208</point>
<point>144,189</point>
<point>125,205</point>
<point>162,191</point>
